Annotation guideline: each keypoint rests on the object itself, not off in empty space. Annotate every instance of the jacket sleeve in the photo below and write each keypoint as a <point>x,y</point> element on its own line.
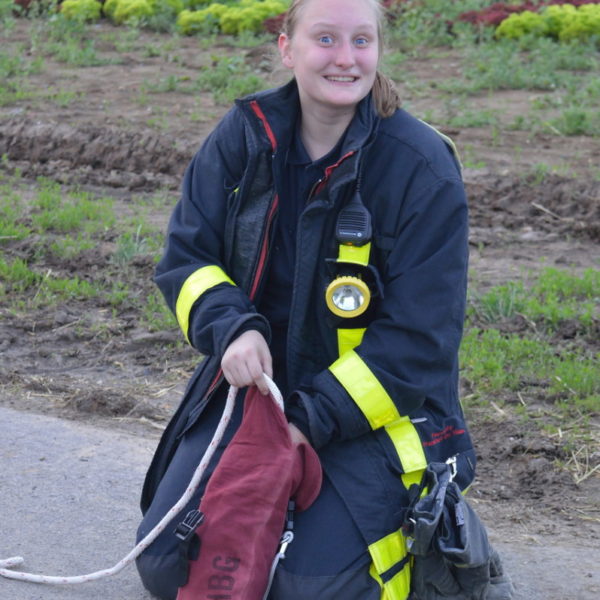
<point>411,346</point>
<point>210,309</point>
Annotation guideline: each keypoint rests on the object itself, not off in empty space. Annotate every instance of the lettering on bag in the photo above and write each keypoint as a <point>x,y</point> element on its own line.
<point>442,436</point>
<point>221,584</point>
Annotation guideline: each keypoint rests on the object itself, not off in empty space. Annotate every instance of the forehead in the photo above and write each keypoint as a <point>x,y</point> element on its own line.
<point>339,14</point>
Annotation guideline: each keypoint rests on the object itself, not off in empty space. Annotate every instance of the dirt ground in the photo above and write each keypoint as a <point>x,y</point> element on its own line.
<point>110,142</point>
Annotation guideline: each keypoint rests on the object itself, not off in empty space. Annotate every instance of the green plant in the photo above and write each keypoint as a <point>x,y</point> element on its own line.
<point>71,246</point>
<point>159,14</point>
<point>129,245</point>
<point>522,24</point>
<point>204,21</point>
<point>501,302</point>
<point>228,78</point>
<point>155,314</point>
<point>123,11</point>
<point>474,118</point>
<point>62,97</point>
<point>575,120</point>
<point>541,64</point>
<point>12,225</point>
<point>232,19</point>
<point>81,10</point>
<point>6,12</point>
<point>555,296</point>
<point>18,278</point>
<point>171,83</point>
<point>249,39</point>
<point>585,24</point>
<point>77,211</point>
<point>249,15</point>
<point>565,22</point>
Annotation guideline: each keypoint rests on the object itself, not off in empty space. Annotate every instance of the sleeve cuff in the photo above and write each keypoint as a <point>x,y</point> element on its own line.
<point>298,416</point>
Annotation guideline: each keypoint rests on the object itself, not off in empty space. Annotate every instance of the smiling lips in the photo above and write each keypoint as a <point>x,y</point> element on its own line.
<point>341,78</point>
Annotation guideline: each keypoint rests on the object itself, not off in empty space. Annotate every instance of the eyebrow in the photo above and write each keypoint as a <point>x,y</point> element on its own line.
<point>325,25</point>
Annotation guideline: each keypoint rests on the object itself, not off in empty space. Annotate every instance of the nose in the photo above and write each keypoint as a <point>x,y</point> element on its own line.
<point>344,57</point>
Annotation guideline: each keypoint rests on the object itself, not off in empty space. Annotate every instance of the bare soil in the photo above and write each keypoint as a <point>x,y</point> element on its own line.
<point>84,362</point>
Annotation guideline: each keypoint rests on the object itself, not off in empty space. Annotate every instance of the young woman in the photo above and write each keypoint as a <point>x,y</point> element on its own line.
<point>321,239</point>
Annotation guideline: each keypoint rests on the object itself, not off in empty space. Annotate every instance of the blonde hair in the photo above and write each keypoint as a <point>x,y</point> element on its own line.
<point>385,94</point>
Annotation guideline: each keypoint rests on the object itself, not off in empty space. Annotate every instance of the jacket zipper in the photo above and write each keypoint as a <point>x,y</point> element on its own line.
<point>216,382</point>
<point>262,259</point>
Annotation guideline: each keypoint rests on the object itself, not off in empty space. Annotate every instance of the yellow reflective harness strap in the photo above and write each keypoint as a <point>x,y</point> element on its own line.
<point>358,255</point>
<point>348,339</point>
<point>408,445</point>
<point>193,287</point>
<point>412,478</point>
<point>387,553</point>
<point>379,409</point>
<point>364,388</point>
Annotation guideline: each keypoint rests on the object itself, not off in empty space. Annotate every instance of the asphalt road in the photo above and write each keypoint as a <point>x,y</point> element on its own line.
<point>69,505</point>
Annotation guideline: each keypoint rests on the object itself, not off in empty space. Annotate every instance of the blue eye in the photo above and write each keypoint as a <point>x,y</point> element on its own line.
<point>325,39</point>
<point>361,41</point>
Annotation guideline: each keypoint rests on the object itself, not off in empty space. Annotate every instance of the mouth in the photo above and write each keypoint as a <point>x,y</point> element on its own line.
<point>341,78</point>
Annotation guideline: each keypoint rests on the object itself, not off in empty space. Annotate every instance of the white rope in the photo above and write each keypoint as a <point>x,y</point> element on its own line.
<point>14,561</point>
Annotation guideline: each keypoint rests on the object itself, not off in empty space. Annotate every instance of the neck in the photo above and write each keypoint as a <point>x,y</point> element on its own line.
<point>321,130</point>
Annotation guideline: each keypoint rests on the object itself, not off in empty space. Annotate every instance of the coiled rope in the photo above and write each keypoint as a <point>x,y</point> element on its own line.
<point>15,561</point>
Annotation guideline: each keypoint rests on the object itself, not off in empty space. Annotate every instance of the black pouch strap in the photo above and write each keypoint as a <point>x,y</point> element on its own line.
<point>189,543</point>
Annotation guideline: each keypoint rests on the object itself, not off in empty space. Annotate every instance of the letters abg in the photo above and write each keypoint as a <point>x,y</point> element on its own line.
<point>221,584</point>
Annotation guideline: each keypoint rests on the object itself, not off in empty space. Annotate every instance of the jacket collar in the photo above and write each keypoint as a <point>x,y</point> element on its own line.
<point>274,112</point>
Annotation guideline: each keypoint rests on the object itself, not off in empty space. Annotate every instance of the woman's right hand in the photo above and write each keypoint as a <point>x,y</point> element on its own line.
<point>245,361</point>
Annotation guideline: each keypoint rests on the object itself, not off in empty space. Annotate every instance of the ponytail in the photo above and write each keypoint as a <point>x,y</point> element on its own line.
<point>385,95</point>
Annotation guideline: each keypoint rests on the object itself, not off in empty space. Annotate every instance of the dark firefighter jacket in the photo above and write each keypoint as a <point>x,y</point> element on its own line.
<point>377,394</point>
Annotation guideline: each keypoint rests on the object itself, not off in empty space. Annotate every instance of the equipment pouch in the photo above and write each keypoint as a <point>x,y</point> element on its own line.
<point>453,559</point>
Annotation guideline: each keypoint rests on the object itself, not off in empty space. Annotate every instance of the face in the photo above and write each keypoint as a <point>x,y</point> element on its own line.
<point>333,53</point>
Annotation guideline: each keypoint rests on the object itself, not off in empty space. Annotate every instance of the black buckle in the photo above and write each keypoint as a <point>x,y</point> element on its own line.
<point>186,529</point>
<point>289,518</point>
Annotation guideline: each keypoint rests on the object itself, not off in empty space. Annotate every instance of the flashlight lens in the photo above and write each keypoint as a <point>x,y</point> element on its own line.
<point>348,298</point>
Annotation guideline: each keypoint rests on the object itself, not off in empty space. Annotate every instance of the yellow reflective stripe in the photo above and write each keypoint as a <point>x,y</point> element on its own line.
<point>364,388</point>
<point>408,445</point>
<point>386,553</point>
<point>193,287</point>
<point>398,587</point>
<point>379,409</point>
<point>358,255</point>
<point>414,477</point>
<point>348,339</point>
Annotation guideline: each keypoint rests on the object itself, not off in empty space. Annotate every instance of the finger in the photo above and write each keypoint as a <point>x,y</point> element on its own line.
<point>258,379</point>
<point>267,364</point>
<point>262,385</point>
<point>236,374</point>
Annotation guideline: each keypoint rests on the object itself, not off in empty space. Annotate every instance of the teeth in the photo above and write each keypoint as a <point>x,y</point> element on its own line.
<point>342,79</point>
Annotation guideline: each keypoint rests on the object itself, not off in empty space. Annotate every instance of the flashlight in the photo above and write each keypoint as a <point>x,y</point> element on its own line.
<point>347,296</point>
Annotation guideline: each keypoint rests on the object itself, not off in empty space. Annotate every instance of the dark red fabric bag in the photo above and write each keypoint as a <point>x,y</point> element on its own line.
<point>245,505</point>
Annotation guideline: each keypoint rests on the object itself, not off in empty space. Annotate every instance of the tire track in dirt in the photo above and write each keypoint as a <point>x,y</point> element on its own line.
<point>146,161</point>
<point>93,155</point>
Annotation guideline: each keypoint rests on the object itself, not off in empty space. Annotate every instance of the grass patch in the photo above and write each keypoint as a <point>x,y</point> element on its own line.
<point>533,344</point>
<point>53,211</point>
<point>228,78</point>
<point>67,245</point>
<point>156,316</point>
<point>555,297</point>
<point>567,95</point>
<point>28,288</point>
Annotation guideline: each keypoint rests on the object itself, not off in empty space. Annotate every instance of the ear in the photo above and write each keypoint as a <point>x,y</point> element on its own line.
<point>285,50</point>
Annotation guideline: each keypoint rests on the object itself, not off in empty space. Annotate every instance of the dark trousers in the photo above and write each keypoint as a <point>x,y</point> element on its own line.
<point>327,560</point>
